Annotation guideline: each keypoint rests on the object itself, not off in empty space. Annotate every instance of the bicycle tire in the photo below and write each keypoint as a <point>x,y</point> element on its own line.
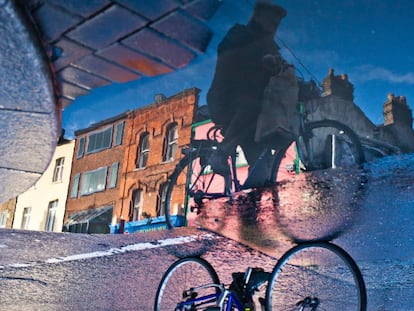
<point>318,273</point>
<point>329,144</point>
<point>191,182</point>
<point>182,275</point>
<point>281,154</point>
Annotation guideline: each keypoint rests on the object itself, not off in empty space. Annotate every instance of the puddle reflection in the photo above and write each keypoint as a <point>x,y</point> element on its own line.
<point>311,206</point>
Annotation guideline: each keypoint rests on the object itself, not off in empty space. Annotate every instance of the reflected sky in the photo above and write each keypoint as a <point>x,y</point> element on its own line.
<point>369,41</point>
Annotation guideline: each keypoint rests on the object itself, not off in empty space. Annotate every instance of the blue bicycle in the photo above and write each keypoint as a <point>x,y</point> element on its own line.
<point>192,284</point>
<point>311,276</point>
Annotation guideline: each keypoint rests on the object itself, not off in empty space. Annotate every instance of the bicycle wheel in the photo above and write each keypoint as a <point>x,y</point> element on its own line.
<point>284,163</point>
<point>316,276</point>
<point>191,183</point>
<point>329,144</point>
<point>181,276</point>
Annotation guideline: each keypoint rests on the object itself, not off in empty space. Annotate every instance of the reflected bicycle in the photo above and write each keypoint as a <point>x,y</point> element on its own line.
<point>320,145</point>
<point>310,276</point>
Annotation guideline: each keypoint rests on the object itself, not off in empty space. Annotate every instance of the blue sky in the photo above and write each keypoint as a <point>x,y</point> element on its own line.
<point>370,40</point>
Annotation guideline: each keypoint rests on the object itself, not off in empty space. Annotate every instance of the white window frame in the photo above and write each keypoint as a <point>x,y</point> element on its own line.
<point>81,147</point>
<point>58,171</point>
<point>162,199</point>
<point>119,133</point>
<point>75,186</point>
<point>144,149</point>
<point>171,142</point>
<point>113,175</point>
<point>51,215</point>
<point>99,140</point>
<point>137,203</point>
<point>26,218</point>
<point>4,215</point>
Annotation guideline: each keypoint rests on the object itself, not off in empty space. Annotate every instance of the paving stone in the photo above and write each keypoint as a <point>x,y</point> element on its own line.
<point>106,69</point>
<point>81,78</point>
<point>134,60</point>
<point>83,8</point>
<point>153,9</point>
<point>101,30</point>
<point>181,26</point>
<point>65,102</point>
<point>157,45</point>
<point>54,21</point>
<point>203,9</point>
<point>71,51</point>
<point>71,91</point>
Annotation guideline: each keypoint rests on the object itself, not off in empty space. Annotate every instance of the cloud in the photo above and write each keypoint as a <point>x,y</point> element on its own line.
<point>367,73</point>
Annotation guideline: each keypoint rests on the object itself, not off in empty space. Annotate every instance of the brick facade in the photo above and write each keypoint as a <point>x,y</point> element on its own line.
<point>396,110</point>
<point>80,198</point>
<point>337,103</point>
<point>398,123</point>
<point>154,120</point>
<point>338,85</point>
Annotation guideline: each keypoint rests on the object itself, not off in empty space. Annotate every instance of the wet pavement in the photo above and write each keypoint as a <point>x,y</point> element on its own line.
<point>63,271</point>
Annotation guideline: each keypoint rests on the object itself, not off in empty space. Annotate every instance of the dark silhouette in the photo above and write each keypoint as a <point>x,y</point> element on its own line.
<point>248,57</point>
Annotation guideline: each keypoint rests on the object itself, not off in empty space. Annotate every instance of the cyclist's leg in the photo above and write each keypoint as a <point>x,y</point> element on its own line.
<point>191,183</point>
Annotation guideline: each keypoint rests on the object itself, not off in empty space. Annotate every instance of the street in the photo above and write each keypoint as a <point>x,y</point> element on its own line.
<point>63,271</point>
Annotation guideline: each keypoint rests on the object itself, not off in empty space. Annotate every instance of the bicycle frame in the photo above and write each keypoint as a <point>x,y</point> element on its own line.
<point>202,187</point>
<point>226,300</point>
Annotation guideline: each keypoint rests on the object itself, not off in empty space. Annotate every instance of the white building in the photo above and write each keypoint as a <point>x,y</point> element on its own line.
<point>42,207</point>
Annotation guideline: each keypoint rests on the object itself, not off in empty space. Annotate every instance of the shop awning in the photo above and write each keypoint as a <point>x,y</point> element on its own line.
<point>91,215</point>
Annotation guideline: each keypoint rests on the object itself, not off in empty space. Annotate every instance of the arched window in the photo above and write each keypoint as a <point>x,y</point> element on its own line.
<point>170,142</point>
<point>143,151</point>
<point>161,200</point>
<point>136,205</point>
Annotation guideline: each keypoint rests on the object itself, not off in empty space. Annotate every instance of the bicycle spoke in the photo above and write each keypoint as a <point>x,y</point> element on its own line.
<point>329,144</point>
<point>191,183</point>
<point>316,276</point>
<point>179,280</point>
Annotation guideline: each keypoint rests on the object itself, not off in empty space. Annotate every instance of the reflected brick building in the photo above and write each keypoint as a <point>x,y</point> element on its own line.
<point>94,185</point>
<point>154,138</point>
<point>121,165</point>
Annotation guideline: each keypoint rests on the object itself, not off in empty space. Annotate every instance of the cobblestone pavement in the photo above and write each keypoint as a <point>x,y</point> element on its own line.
<point>63,271</point>
<point>121,272</point>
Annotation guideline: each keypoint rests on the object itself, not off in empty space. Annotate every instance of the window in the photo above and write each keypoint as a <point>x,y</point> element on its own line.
<point>171,142</point>
<point>143,151</point>
<point>58,172</point>
<point>93,181</point>
<point>26,218</point>
<point>51,215</point>
<point>3,219</point>
<point>113,175</point>
<point>81,147</point>
<point>136,205</point>
<point>75,186</point>
<point>98,141</point>
<point>119,133</point>
<point>162,199</point>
